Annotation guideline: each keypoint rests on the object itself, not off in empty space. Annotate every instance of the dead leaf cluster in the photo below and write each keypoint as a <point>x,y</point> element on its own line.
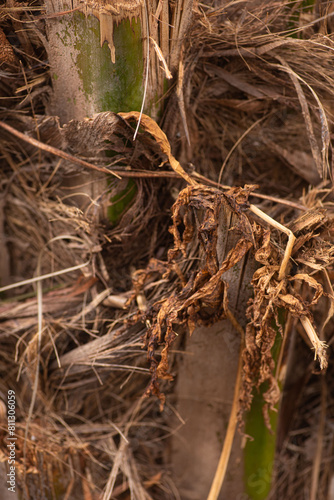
<point>200,296</point>
<point>296,295</point>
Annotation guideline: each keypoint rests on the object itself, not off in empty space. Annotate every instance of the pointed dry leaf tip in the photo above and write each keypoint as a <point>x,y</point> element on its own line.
<point>106,34</point>
<point>180,98</point>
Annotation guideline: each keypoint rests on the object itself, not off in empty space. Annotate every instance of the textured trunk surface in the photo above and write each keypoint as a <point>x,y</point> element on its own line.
<point>205,389</point>
<point>96,58</point>
<point>97,64</point>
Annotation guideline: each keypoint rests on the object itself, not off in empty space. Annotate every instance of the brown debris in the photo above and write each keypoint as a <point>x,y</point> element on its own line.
<point>271,297</point>
<point>197,210</point>
<point>7,55</point>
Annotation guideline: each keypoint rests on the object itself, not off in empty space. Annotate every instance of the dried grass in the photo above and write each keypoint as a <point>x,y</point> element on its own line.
<point>240,92</point>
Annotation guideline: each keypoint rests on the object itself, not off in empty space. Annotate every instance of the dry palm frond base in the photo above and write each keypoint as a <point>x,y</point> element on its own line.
<point>254,93</point>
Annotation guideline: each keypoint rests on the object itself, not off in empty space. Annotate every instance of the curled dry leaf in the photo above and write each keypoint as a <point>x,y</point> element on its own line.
<point>312,283</point>
<point>153,128</point>
<point>108,131</point>
<point>199,290</point>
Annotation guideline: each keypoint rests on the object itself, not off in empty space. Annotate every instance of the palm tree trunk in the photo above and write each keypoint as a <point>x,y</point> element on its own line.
<point>206,384</point>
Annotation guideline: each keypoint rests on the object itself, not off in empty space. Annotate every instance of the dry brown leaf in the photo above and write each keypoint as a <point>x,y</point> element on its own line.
<point>271,296</point>
<point>153,128</point>
<point>312,283</point>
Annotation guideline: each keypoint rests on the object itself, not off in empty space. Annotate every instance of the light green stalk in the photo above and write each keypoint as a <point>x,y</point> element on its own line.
<point>259,453</point>
<point>106,86</point>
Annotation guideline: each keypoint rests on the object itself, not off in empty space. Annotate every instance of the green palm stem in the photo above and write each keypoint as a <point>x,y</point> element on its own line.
<point>259,452</point>
<point>97,64</point>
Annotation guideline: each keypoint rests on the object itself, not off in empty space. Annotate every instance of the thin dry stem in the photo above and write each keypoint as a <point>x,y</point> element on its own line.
<point>147,69</point>
<point>277,225</point>
<point>38,279</point>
